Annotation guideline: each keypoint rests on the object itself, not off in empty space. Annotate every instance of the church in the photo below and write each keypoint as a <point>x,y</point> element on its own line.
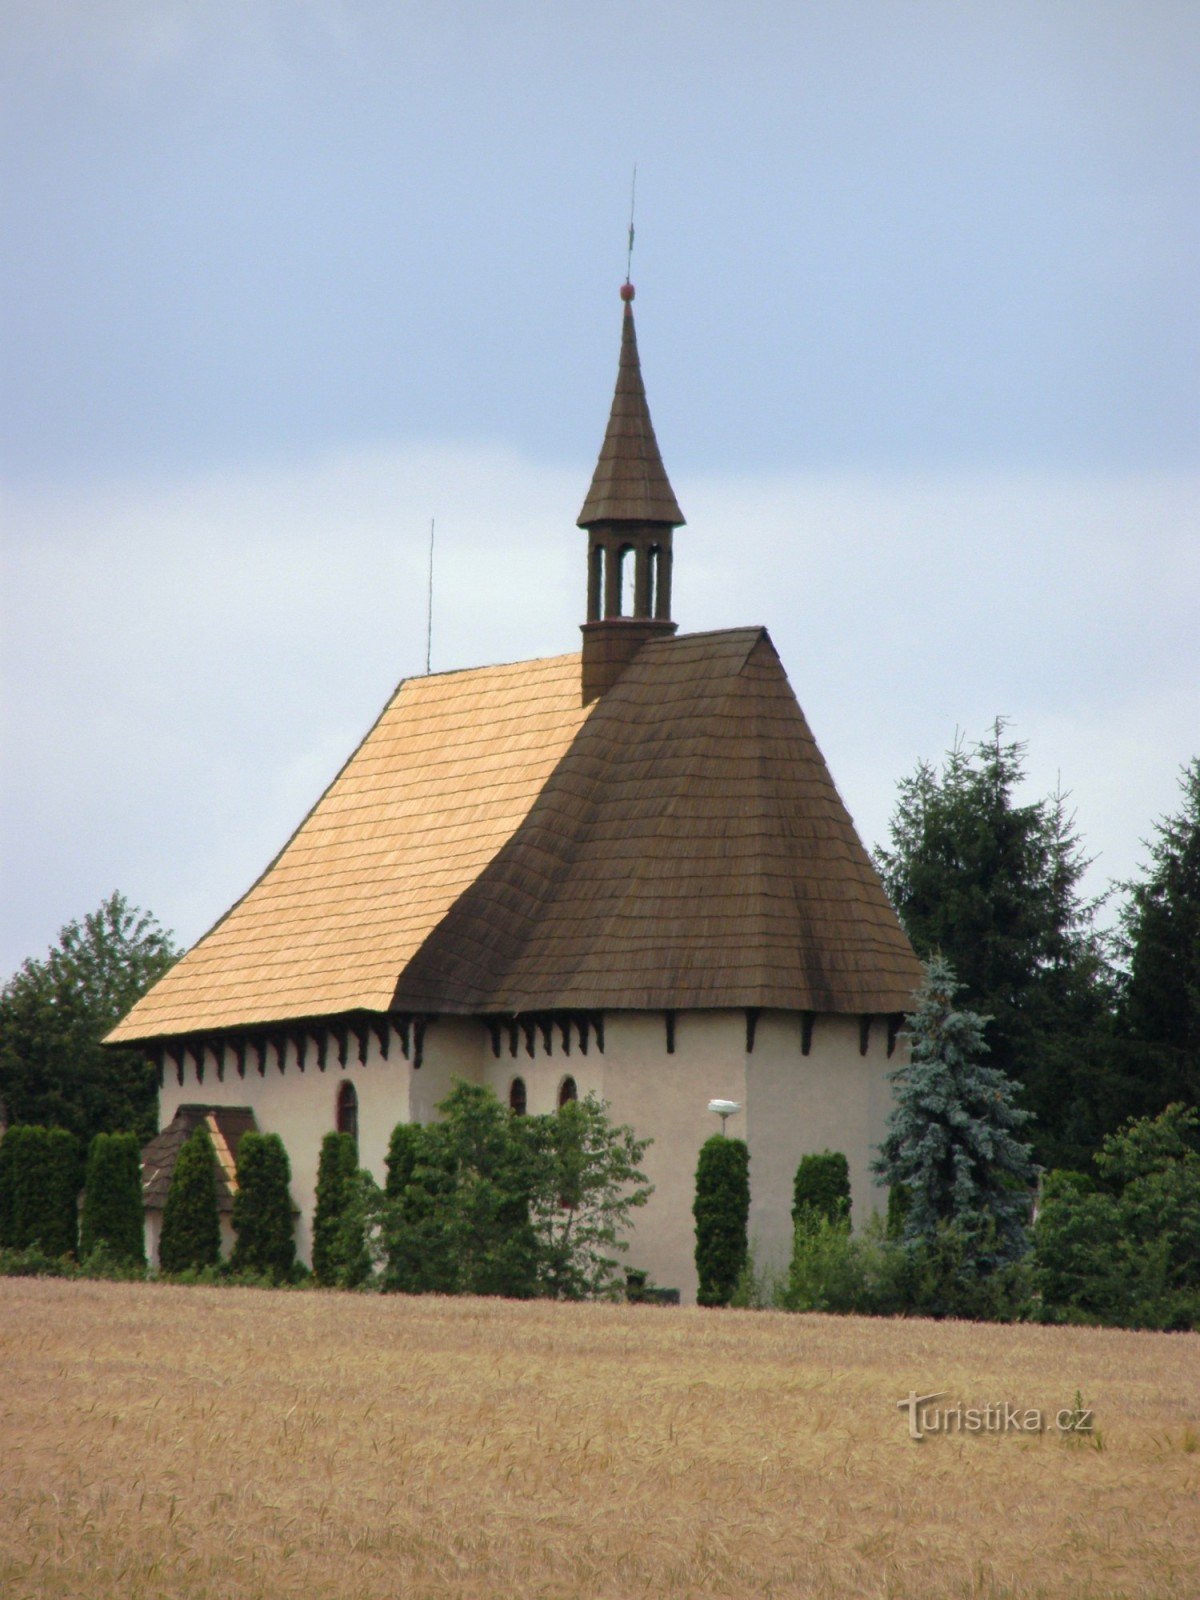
<point>624,871</point>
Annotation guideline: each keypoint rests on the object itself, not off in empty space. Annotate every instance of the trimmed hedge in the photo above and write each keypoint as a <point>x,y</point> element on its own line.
<point>39,1190</point>
<point>333,1252</point>
<point>191,1229</point>
<point>262,1208</point>
<point>112,1200</point>
<point>822,1188</point>
<point>722,1213</point>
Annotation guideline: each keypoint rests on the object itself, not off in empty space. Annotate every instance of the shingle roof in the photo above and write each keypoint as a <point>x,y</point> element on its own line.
<point>226,1125</point>
<point>689,851</point>
<point>494,846</point>
<point>438,785</point>
<point>630,483</point>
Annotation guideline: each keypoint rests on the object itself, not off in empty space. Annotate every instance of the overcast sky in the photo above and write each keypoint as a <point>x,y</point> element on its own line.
<point>279,282</point>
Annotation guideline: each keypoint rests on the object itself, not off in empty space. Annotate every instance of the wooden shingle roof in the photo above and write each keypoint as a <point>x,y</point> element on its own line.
<point>225,1124</point>
<point>630,483</point>
<point>493,846</point>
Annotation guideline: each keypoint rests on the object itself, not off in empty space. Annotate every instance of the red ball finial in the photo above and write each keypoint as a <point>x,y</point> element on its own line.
<point>627,291</point>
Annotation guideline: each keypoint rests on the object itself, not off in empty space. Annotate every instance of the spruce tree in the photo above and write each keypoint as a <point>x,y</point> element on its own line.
<point>722,1213</point>
<point>112,1200</point>
<point>262,1208</point>
<point>332,1251</point>
<point>952,1140</point>
<point>191,1228</point>
<point>822,1188</point>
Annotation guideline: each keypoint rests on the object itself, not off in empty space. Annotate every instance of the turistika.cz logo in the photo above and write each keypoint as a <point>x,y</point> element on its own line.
<point>925,1418</point>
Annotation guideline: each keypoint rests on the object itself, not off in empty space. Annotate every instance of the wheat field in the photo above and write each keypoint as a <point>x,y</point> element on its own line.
<point>233,1444</point>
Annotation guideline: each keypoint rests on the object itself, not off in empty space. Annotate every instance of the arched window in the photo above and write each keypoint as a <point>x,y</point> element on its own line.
<point>516,1097</point>
<point>347,1110</point>
<point>567,1092</point>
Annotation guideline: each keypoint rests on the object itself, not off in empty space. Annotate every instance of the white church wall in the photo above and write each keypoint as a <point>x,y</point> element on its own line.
<point>665,1097</point>
<point>832,1099</point>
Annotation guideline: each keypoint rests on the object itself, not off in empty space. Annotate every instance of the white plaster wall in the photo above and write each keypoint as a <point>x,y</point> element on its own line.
<point>832,1099</point>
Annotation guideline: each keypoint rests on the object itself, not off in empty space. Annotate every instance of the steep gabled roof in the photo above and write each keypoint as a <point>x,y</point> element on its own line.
<point>494,846</point>
<point>630,483</point>
<point>689,851</point>
<point>439,784</point>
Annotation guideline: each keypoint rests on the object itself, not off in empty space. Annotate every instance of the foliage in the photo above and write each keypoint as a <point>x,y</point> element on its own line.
<point>952,1139</point>
<point>822,1187</point>
<point>338,1247</point>
<point>40,1176</point>
<point>722,1212</point>
<point>994,887</point>
<point>191,1225</point>
<point>1124,1248</point>
<point>463,1221</point>
<point>485,1202</point>
<point>54,1013</point>
<point>113,1217</point>
<point>262,1209</point>
<point>586,1180</point>
<point>1160,1000</point>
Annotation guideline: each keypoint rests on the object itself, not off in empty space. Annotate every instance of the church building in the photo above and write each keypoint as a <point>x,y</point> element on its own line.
<point>624,871</point>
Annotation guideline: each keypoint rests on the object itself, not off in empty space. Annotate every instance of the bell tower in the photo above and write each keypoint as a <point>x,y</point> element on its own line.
<point>629,515</point>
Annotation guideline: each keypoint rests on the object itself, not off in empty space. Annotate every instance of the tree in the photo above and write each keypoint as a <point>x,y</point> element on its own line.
<point>262,1208</point>
<point>191,1227</point>
<point>722,1212</point>
<point>822,1188</point>
<point>587,1180</point>
<point>112,1201</point>
<point>1125,1247</point>
<point>54,1013</point>
<point>1159,1013</point>
<point>994,887</point>
<point>952,1136</point>
<point>40,1176</point>
<point>337,1242</point>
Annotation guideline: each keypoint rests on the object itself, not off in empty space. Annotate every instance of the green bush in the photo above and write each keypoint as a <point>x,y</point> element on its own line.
<point>39,1189</point>
<point>822,1187</point>
<point>338,1250</point>
<point>262,1209</point>
<point>722,1213</point>
<point>191,1229</point>
<point>113,1218</point>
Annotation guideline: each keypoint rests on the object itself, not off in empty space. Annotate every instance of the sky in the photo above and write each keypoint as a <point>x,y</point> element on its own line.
<point>282,282</point>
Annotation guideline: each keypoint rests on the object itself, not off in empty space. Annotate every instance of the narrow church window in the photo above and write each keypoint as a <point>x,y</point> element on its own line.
<point>347,1110</point>
<point>567,1092</point>
<point>516,1097</point>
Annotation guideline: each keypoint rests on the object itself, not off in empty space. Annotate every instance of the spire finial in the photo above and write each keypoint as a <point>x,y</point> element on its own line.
<point>629,251</point>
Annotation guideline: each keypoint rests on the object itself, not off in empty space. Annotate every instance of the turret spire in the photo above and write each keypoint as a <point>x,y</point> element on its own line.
<point>630,513</point>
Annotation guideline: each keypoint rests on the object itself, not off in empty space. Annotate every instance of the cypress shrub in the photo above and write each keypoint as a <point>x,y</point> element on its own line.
<point>403,1154</point>
<point>262,1208</point>
<point>337,1178</point>
<point>822,1188</point>
<point>722,1212</point>
<point>39,1189</point>
<point>112,1199</point>
<point>191,1229</point>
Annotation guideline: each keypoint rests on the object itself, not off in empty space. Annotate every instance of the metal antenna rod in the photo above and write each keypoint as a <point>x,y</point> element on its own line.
<point>632,203</point>
<point>429,606</point>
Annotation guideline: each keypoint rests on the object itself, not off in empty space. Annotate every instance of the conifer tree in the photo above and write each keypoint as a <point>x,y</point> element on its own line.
<point>39,1189</point>
<point>337,1172</point>
<point>822,1188</point>
<point>112,1200</point>
<point>262,1208</point>
<point>191,1228</point>
<point>952,1140</point>
<point>722,1212</point>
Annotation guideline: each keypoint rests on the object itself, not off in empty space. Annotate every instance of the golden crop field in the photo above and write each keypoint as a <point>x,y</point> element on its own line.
<point>231,1444</point>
